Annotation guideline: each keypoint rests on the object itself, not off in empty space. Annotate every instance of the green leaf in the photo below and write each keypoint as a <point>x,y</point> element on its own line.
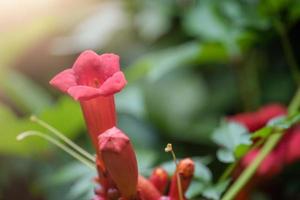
<point>212,53</point>
<point>65,115</point>
<point>294,9</point>
<point>214,192</point>
<point>146,160</point>
<point>225,155</point>
<point>131,101</point>
<point>202,20</point>
<point>284,122</point>
<point>195,189</point>
<point>262,133</point>
<point>241,150</point>
<point>229,136</point>
<point>202,172</point>
<point>11,126</point>
<point>173,112</point>
<point>76,177</point>
<point>57,115</point>
<point>24,93</point>
<point>154,19</point>
<point>273,7</point>
<point>225,22</point>
<point>156,65</point>
<point>277,123</point>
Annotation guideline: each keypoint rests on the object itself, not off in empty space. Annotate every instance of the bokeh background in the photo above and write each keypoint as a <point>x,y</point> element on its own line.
<point>188,64</point>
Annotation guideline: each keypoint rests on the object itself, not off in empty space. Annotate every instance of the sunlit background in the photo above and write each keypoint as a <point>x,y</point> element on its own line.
<point>188,64</point>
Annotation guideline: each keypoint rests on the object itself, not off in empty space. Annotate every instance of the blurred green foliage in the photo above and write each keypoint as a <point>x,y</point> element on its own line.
<point>188,64</point>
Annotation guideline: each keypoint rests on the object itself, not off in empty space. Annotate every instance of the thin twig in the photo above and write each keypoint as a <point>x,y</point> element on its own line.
<point>63,138</point>
<point>58,144</point>
<point>169,148</point>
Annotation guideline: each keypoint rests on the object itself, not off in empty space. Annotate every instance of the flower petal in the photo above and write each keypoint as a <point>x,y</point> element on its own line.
<point>83,93</point>
<point>113,84</point>
<point>87,60</point>
<point>64,80</point>
<point>110,63</point>
<point>90,66</point>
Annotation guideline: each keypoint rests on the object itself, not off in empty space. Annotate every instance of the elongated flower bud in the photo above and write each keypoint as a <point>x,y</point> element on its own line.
<point>185,170</point>
<point>146,190</point>
<point>159,178</point>
<point>120,161</point>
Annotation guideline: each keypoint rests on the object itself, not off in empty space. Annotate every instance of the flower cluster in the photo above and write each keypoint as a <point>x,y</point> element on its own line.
<point>93,80</point>
<point>285,153</point>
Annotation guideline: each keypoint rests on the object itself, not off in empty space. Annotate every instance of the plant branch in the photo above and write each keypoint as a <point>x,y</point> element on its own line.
<point>58,144</point>
<point>63,138</point>
<point>250,170</point>
<point>287,48</point>
<point>227,172</point>
<point>169,148</point>
<point>265,150</point>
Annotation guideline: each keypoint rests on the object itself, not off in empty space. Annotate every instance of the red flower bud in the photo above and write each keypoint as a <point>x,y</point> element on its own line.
<point>146,190</point>
<point>120,161</point>
<point>159,178</point>
<point>185,170</point>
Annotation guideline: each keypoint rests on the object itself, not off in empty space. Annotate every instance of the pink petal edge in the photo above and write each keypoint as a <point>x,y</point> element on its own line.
<point>113,84</point>
<point>64,80</point>
<point>111,62</point>
<point>83,93</point>
<point>86,58</point>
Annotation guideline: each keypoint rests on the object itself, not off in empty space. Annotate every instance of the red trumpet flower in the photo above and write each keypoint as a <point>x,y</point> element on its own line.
<point>93,80</point>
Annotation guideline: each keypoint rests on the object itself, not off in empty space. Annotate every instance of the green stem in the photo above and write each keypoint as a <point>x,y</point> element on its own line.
<point>59,144</point>
<point>274,138</point>
<point>232,166</point>
<point>287,48</point>
<point>250,170</point>
<point>294,105</point>
<point>63,138</point>
<point>227,172</point>
<point>266,149</point>
<point>178,179</point>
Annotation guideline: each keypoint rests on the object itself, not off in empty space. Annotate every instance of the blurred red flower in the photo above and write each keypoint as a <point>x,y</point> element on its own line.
<point>286,152</point>
<point>256,120</point>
